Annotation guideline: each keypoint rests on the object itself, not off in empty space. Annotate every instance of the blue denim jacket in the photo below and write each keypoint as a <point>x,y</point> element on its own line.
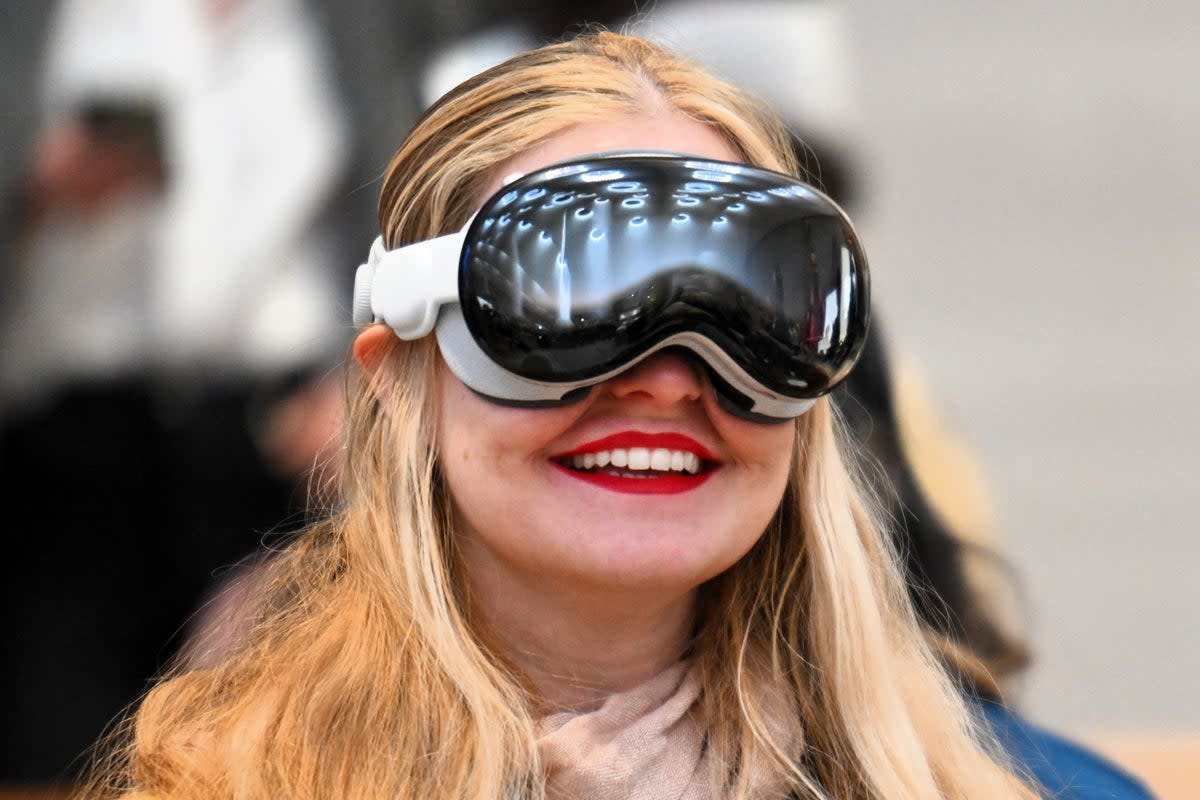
<point>1065,770</point>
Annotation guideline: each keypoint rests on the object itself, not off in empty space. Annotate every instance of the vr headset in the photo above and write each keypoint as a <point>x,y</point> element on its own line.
<point>573,273</point>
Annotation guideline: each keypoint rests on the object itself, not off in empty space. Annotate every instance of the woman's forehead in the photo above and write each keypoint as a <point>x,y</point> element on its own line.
<point>660,130</point>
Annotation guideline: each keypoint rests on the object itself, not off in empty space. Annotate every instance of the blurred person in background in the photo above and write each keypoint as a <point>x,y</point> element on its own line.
<point>170,312</point>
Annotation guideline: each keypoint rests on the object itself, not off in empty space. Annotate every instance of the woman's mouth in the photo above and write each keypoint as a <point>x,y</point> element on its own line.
<point>640,463</point>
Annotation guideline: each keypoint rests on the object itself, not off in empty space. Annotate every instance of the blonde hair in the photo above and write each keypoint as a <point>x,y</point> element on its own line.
<point>357,672</point>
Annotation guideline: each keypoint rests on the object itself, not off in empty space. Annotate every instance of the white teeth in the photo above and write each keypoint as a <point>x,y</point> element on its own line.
<point>641,459</point>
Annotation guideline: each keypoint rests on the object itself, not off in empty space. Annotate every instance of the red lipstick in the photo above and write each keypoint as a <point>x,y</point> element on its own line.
<point>621,479</point>
<point>627,439</point>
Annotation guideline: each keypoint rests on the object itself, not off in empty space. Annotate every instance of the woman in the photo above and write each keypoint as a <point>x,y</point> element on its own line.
<point>520,596</point>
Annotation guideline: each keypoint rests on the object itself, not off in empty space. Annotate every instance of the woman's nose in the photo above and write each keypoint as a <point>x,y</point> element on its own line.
<point>665,379</point>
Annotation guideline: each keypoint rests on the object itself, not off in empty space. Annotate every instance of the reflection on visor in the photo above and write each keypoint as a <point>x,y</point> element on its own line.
<point>572,272</point>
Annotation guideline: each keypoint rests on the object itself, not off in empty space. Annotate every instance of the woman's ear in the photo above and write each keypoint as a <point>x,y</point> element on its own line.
<point>368,347</point>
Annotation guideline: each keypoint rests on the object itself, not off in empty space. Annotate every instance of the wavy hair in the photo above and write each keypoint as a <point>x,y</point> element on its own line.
<point>354,669</point>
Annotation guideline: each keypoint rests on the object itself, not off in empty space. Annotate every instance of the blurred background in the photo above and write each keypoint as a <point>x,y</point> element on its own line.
<point>1031,205</point>
<point>187,185</point>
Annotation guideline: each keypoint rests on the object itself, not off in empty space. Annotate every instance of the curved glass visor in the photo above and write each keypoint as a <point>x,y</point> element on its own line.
<point>572,272</point>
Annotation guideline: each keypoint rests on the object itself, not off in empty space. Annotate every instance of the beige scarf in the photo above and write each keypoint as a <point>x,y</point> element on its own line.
<point>643,744</point>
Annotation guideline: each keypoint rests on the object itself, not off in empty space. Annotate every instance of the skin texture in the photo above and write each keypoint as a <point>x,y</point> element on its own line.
<point>588,590</point>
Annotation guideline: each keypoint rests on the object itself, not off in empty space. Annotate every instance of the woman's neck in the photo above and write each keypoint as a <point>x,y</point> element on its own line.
<point>580,643</point>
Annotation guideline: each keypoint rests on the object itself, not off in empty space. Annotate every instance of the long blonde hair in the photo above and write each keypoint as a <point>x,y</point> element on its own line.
<point>355,671</point>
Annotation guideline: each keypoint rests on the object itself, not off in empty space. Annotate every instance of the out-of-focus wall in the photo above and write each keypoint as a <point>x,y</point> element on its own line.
<point>1033,218</point>
<point>22,29</point>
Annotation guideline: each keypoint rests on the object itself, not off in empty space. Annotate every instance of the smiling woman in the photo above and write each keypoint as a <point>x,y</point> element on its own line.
<point>553,575</point>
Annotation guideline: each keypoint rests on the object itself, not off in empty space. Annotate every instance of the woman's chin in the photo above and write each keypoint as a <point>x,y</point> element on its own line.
<point>631,554</point>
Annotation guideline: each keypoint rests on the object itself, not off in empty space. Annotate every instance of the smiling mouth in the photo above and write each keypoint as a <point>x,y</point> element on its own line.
<point>637,462</point>
<point>639,470</point>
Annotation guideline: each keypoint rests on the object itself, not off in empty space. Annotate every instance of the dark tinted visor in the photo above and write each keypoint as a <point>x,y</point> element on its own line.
<point>571,272</point>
